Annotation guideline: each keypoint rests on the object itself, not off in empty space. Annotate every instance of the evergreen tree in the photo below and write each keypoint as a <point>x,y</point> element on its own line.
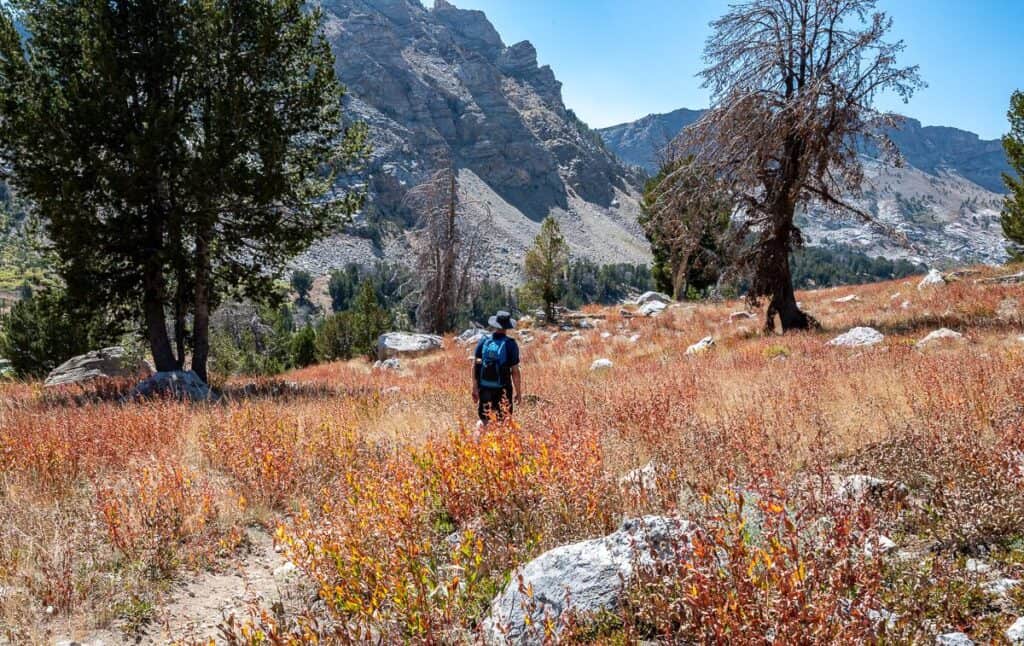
<point>176,150</point>
<point>47,328</point>
<point>546,265</point>
<point>304,347</point>
<point>302,282</point>
<point>685,216</point>
<point>1013,209</point>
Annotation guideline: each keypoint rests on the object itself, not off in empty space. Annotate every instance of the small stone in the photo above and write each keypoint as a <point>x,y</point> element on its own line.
<point>852,298</point>
<point>742,315</point>
<point>636,337</point>
<point>606,335</point>
<point>953,639</point>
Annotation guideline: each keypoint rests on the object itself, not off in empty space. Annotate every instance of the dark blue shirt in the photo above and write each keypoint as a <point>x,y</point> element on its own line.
<point>511,358</point>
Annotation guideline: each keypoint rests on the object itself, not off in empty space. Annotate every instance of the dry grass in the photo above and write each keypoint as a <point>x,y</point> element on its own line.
<point>363,473</point>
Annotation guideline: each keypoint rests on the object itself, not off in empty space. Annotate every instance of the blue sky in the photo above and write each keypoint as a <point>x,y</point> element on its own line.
<point>619,60</point>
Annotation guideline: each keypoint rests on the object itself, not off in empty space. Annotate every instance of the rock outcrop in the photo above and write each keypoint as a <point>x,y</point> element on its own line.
<point>438,88</point>
<point>99,364</point>
<point>584,577</point>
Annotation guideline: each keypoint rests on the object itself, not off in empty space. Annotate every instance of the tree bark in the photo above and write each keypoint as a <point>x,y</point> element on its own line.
<point>180,297</point>
<point>201,315</point>
<point>156,322</point>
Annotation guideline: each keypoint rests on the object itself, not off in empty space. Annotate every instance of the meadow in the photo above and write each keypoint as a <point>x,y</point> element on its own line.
<point>362,476</point>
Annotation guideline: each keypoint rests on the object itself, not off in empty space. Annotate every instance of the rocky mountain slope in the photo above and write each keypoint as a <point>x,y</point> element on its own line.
<point>945,200</point>
<point>438,87</point>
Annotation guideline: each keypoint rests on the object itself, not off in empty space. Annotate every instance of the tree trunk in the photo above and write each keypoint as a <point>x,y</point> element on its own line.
<point>156,322</point>
<point>201,320</point>
<point>783,301</point>
<point>180,297</point>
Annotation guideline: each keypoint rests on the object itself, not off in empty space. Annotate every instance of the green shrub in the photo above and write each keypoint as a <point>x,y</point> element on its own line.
<point>304,347</point>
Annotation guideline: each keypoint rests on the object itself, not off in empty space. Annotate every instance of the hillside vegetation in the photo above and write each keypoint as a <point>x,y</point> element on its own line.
<point>115,512</point>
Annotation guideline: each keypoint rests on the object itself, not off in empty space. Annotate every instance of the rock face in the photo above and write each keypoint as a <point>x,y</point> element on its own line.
<point>858,336</point>
<point>438,88</point>
<point>589,574</point>
<point>945,199</point>
<point>98,364</point>
<point>175,385</point>
<point>406,344</point>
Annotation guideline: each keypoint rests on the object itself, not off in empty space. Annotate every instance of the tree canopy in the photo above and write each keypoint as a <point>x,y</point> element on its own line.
<point>546,265</point>
<point>1013,210</point>
<point>177,151</point>
<point>793,84</point>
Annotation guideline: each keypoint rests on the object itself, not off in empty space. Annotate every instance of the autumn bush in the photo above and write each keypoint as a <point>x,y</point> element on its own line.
<point>407,519</point>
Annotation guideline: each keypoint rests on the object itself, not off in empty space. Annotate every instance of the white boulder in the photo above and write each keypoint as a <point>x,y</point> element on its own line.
<point>471,336</point>
<point>601,364</point>
<point>652,308</point>
<point>860,488</point>
<point>858,336</point>
<point>953,639</point>
<point>932,279</point>
<point>942,334</point>
<point>1015,633</point>
<point>700,347</point>
<point>98,364</point>
<point>653,297</point>
<point>641,481</point>
<point>585,577</point>
<point>175,385</point>
<point>406,344</point>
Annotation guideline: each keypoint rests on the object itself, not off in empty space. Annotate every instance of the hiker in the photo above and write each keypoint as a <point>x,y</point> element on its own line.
<point>496,378</point>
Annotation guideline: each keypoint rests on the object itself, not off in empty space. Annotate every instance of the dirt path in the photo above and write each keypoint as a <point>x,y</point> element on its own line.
<point>196,608</point>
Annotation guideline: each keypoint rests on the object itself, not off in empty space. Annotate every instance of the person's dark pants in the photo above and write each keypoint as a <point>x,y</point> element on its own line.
<point>494,402</point>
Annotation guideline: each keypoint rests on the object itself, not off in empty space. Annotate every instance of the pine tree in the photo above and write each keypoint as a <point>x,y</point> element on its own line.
<point>1013,209</point>
<point>177,151</point>
<point>546,265</point>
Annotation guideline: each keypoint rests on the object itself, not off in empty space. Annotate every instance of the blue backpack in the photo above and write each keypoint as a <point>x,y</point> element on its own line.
<point>493,358</point>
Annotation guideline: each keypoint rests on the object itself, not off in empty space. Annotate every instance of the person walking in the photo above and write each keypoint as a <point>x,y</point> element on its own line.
<point>497,380</point>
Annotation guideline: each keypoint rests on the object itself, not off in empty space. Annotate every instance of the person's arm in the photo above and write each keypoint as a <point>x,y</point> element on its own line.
<point>517,383</point>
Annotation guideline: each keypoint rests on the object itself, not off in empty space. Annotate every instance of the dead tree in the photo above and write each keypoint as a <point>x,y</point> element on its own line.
<point>445,248</point>
<point>793,84</point>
